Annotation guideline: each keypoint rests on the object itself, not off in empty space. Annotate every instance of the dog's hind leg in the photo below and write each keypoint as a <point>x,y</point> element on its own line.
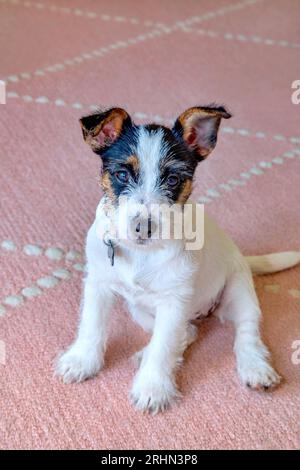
<point>240,306</point>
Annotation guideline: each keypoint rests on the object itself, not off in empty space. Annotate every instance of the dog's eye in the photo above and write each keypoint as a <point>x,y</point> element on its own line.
<point>122,176</point>
<point>173,180</point>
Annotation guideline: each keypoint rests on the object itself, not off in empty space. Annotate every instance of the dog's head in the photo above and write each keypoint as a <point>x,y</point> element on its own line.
<point>150,165</point>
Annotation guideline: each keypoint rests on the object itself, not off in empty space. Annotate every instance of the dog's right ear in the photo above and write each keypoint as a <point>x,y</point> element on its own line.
<point>100,130</point>
<point>198,127</point>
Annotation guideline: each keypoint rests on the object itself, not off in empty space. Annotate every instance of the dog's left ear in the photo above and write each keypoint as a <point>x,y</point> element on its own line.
<point>198,127</point>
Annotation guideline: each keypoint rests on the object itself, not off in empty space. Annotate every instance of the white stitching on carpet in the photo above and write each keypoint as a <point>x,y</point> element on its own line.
<point>118,18</point>
<point>79,12</point>
<point>241,38</point>
<point>212,193</point>
<point>225,129</point>
<point>294,293</point>
<point>73,255</point>
<point>272,288</point>
<point>76,60</point>
<point>220,12</point>
<point>244,177</point>
<point>276,288</point>
<point>13,300</point>
<point>32,250</point>
<point>164,29</point>
<point>79,267</point>
<point>62,273</point>
<point>158,119</point>
<point>8,245</point>
<point>46,282</point>
<point>51,252</point>
<point>33,291</point>
<point>54,253</point>
<point>39,287</point>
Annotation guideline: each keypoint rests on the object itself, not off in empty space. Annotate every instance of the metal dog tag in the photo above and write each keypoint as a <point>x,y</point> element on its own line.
<point>110,250</point>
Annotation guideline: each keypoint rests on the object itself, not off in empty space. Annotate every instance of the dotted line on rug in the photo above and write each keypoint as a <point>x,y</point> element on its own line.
<point>40,286</point>
<point>45,282</point>
<point>79,12</point>
<point>244,177</point>
<point>79,59</point>
<point>97,53</point>
<point>48,282</point>
<point>217,13</point>
<point>53,253</point>
<point>59,102</point>
<point>276,289</point>
<point>241,38</point>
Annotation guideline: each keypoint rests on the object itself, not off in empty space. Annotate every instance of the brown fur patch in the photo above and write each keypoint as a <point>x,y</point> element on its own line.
<point>185,192</point>
<point>186,120</point>
<point>116,118</point>
<point>134,162</point>
<point>107,186</point>
<point>188,117</point>
<point>204,111</point>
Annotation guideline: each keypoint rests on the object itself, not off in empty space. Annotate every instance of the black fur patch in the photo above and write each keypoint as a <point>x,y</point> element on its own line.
<point>179,161</point>
<point>116,156</point>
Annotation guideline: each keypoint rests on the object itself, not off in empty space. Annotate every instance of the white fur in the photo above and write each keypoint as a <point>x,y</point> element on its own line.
<point>165,288</point>
<point>150,151</point>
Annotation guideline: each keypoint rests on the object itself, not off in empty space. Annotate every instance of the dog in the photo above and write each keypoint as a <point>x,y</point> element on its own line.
<point>164,285</point>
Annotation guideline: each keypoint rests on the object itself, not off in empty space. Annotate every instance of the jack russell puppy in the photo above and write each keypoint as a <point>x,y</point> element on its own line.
<point>165,285</point>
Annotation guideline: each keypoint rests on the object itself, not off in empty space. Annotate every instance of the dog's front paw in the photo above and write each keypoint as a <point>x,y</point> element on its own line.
<point>78,364</point>
<point>259,376</point>
<point>153,394</point>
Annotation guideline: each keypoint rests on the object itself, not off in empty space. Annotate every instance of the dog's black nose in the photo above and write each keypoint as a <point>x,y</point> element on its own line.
<point>149,227</point>
<point>145,228</point>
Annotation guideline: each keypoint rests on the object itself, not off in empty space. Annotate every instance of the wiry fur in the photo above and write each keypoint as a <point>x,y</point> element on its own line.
<point>165,288</point>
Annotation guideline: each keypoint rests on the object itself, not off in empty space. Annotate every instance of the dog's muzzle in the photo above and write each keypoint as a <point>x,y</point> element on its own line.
<point>143,229</point>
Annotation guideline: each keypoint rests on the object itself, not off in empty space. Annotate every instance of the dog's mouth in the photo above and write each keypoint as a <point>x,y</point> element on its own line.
<point>143,241</point>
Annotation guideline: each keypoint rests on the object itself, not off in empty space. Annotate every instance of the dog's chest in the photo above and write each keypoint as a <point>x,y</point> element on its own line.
<point>136,282</point>
<point>142,278</point>
<point>136,293</point>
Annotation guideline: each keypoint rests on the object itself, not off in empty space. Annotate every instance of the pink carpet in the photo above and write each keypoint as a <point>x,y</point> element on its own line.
<point>155,58</point>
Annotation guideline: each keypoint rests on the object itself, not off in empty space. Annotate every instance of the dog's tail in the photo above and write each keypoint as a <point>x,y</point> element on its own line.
<point>273,262</point>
